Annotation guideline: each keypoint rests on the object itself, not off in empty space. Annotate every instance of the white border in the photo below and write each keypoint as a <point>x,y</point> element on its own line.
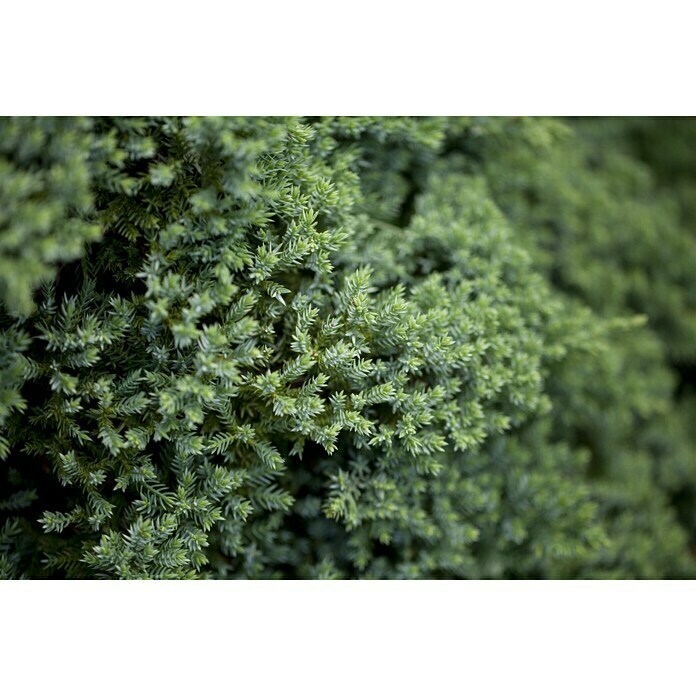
<point>478,637</point>
<point>492,57</point>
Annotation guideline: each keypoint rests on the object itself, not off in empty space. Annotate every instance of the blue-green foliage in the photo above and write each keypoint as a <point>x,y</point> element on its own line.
<point>338,347</point>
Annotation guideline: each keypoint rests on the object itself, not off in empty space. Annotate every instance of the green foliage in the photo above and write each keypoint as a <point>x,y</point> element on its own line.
<point>607,234</point>
<point>45,199</point>
<point>340,347</point>
<point>603,231</point>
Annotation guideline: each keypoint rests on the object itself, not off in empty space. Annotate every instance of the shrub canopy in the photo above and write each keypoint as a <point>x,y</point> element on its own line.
<point>346,347</point>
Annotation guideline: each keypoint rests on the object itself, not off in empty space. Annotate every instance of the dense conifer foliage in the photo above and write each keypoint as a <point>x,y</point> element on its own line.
<point>347,348</point>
